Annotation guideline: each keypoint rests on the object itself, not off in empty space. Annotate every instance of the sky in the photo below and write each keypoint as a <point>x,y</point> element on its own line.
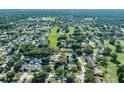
<point>61,4</point>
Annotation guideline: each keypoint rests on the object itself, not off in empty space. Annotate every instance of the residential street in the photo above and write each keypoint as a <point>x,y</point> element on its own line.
<point>81,76</point>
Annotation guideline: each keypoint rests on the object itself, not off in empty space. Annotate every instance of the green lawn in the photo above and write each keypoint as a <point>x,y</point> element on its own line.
<point>88,18</point>
<point>111,67</point>
<point>121,42</point>
<point>106,44</point>
<point>121,57</point>
<point>112,72</point>
<point>53,36</point>
<point>52,19</point>
<point>88,27</point>
<point>71,30</point>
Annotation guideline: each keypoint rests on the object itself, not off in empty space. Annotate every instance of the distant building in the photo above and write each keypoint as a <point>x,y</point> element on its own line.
<point>100,48</point>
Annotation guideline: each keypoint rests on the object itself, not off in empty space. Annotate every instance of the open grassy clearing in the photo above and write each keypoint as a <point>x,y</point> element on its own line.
<point>88,19</point>
<point>121,57</point>
<point>121,42</point>
<point>111,76</point>
<point>106,44</point>
<point>71,30</point>
<point>88,27</point>
<point>53,36</point>
<point>111,69</point>
<point>52,19</point>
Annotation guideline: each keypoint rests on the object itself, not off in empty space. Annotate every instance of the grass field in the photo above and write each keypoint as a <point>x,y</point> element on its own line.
<point>52,19</point>
<point>53,36</point>
<point>89,27</point>
<point>121,42</point>
<point>112,72</point>
<point>71,30</point>
<point>111,67</point>
<point>121,57</point>
<point>106,44</point>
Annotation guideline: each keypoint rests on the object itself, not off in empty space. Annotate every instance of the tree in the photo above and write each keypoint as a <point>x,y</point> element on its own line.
<point>47,68</point>
<point>118,48</point>
<point>58,43</point>
<point>52,80</point>
<point>10,75</point>
<point>114,56</point>
<point>88,50</point>
<point>77,28</point>
<point>26,47</point>
<point>58,29</point>
<point>89,78</point>
<point>39,77</point>
<point>70,78</point>
<point>89,66</point>
<point>120,73</point>
<point>44,52</point>
<point>17,66</point>
<point>73,69</point>
<point>89,74</point>
<point>57,64</point>
<point>112,42</point>
<point>1,58</point>
<point>62,37</point>
<point>73,55</point>
<point>6,26</point>
<point>45,59</point>
<point>107,51</point>
<point>3,79</point>
<point>79,52</point>
<point>1,69</point>
<point>114,59</point>
<point>59,71</point>
<point>10,64</point>
<point>103,60</point>
<point>75,46</point>
<point>66,30</point>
